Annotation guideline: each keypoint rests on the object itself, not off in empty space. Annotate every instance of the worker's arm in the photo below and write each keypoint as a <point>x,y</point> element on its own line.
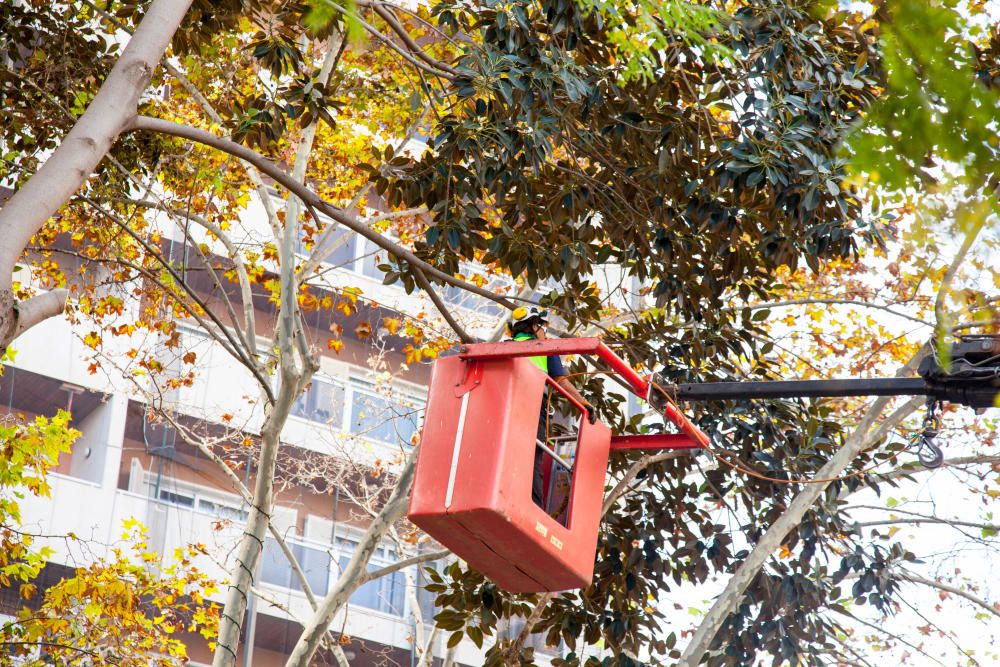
<point>563,381</point>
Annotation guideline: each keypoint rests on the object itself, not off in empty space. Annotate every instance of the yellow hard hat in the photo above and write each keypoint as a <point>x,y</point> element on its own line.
<point>526,314</point>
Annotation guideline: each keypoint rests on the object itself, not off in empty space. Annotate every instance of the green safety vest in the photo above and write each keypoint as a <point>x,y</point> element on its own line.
<point>541,362</point>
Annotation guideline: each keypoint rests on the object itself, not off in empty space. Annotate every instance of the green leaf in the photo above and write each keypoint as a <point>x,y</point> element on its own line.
<point>320,15</point>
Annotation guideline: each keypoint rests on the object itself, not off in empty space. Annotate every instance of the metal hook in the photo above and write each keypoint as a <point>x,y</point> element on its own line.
<point>928,453</point>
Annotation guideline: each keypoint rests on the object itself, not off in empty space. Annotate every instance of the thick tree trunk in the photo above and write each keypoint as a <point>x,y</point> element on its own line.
<point>296,370</point>
<point>254,533</point>
<point>81,150</point>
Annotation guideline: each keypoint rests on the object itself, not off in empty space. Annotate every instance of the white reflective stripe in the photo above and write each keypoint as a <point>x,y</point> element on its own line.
<point>456,449</point>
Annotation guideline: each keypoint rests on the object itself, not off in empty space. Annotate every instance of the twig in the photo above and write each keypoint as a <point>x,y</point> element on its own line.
<point>425,284</point>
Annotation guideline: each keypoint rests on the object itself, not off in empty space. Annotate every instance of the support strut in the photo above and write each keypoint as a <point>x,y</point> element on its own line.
<point>721,391</point>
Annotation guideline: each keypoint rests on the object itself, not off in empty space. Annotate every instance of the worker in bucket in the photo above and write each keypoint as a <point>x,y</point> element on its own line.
<point>529,323</point>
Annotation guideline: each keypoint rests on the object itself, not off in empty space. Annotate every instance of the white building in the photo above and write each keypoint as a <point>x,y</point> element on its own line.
<point>126,466</point>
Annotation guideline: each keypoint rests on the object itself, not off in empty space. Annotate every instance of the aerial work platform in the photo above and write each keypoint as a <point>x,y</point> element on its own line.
<point>472,490</point>
<point>473,484</point>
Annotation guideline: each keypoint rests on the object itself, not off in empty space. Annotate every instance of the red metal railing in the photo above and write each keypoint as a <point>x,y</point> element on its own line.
<point>690,437</point>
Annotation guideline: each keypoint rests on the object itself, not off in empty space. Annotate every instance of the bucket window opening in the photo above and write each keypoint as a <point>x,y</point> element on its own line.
<point>556,444</point>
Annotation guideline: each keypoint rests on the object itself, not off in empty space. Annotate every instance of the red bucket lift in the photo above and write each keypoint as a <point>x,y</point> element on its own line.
<point>472,490</point>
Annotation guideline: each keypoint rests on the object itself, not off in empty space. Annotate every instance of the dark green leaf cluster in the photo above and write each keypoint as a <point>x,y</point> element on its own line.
<point>700,182</point>
<point>50,69</point>
<point>679,528</point>
<point>53,59</point>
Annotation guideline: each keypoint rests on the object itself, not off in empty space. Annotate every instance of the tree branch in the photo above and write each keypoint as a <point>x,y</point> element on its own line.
<point>406,562</point>
<point>147,124</point>
<point>913,578</point>
<point>70,165</point>
<point>392,45</point>
<point>39,308</point>
<point>351,577</point>
<point>219,332</point>
<point>514,651</point>
<point>879,628</point>
<point>858,441</point>
<point>390,18</point>
<point>845,302</point>
<point>425,284</point>
<point>914,468</point>
<point>239,265</point>
<point>927,519</point>
<point>622,487</point>
<point>940,316</point>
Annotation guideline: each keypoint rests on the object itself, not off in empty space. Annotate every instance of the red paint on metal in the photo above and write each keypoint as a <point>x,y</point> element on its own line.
<point>530,348</point>
<point>639,385</point>
<point>549,346</point>
<point>533,348</point>
<point>653,442</point>
<point>490,519</point>
<point>472,490</point>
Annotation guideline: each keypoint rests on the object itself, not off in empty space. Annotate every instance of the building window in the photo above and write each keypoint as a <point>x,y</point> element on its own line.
<point>222,510</point>
<point>498,284</point>
<point>180,494</point>
<point>179,499</point>
<point>388,419</point>
<point>340,244</point>
<point>315,564</point>
<point>322,402</point>
<point>371,257</point>
<point>362,410</point>
<point>386,594</point>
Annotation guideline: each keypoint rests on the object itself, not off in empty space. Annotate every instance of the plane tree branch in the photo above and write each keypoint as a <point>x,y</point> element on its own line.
<point>266,166</point>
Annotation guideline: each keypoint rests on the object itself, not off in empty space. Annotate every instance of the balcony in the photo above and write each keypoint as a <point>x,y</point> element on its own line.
<point>377,613</point>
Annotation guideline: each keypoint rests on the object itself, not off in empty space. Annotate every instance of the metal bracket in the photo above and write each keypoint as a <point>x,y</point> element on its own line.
<point>472,377</point>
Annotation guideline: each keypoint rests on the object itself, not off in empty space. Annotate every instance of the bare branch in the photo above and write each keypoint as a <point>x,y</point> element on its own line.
<point>416,62</point>
<point>918,520</point>
<point>980,213</point>
<point>38,308</point>
<point>406,562</point>
<point>957,462</point>
<point>239,265</point>
<point>219,332</point>
<point>940,585</point>
<point>879,628</point>
<point>425,284</point>
<point>350,579</point>
<point>244,492</point>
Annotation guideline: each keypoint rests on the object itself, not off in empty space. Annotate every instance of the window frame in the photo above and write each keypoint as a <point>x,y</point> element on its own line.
<point>198,495</point>
<point>353,385</point>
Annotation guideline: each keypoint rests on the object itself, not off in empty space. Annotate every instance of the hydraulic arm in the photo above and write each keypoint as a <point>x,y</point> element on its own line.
<point>969,376</point>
